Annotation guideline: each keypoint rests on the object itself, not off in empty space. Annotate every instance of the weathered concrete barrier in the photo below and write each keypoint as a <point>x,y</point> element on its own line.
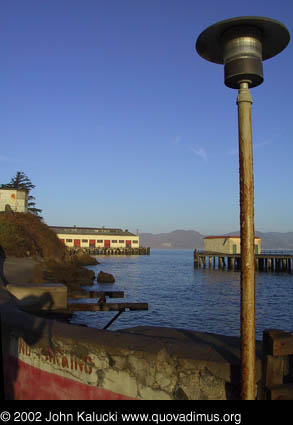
<point>45,359</point>
<point>40,296</point>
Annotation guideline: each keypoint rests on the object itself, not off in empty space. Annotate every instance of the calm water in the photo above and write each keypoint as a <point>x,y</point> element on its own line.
<point>180,296</point>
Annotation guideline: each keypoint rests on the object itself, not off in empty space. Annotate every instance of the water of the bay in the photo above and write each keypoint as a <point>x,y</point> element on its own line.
<point>180,296</point>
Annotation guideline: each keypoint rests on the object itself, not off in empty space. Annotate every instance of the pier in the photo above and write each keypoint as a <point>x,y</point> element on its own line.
<point>114,251</point>
<point>277,261</point>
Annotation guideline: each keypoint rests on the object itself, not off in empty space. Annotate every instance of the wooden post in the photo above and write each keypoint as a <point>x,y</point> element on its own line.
<point>284,265</point>
<point>256,264</point>
<point>195,258</point>
<point>277,346</point>
<point>229,263</point>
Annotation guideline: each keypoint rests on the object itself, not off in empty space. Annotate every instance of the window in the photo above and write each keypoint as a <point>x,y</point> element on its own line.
<point>100,241</point>
<point>68,240</point>
<point>134,241</point>
<point>84,240</point>
<point>122,241</point>
<point>114,241</point>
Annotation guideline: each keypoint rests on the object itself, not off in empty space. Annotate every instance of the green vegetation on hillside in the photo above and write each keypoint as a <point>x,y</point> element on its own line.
<point>23,235</point>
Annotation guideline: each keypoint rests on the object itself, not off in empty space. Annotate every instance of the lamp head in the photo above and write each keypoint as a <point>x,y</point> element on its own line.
<point>241,44</point>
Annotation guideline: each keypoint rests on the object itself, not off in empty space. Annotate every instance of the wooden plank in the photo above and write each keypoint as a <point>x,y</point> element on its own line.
<point>281,392</point>
<point>273,370</point>
<point>277,342</point>
<point>99,294</point>
<point>283,345</point>
<point>110,294</point>
<point>106,306</point>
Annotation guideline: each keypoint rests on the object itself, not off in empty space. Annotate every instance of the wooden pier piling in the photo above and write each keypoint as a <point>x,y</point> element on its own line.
<point>115,251</point>
<point>272,261</point>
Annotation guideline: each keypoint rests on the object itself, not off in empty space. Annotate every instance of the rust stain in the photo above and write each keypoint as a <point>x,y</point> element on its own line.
<point>247,246</point>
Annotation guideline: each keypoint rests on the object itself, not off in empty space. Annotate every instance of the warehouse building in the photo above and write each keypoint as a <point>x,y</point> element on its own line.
<point>96,237</point>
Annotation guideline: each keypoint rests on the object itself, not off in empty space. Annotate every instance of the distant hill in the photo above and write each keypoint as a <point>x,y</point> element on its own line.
<point>179,239</point>
<point>190,239</point>
<point>274,240</point>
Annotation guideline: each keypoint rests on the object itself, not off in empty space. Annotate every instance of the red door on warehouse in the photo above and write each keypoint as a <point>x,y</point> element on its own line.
<point>76,242</point>
<point>107,244</point>
<point>128,244</point>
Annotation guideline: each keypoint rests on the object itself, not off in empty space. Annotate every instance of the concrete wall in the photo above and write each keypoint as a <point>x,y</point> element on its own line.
<point>16,199</point>
<point>45,359</point>
<point>225,245</point>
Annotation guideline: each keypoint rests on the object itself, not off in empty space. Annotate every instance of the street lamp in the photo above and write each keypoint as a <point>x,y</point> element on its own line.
<point>241,44</point>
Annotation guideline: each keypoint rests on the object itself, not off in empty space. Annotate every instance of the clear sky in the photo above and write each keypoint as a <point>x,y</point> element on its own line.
<point>109,110</point>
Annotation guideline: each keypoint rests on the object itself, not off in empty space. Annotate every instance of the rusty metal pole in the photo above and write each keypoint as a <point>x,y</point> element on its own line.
<point>248,356</point>
<point>242,44</point>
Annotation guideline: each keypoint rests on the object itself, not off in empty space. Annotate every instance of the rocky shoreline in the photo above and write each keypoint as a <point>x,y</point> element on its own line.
<point>70,271</point>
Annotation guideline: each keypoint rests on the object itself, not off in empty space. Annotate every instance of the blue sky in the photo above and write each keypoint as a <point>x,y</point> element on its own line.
<point>109,110</point>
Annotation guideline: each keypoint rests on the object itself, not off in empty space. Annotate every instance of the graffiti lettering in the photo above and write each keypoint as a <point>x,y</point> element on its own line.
<point>23,348</point>
<point>57,357</point>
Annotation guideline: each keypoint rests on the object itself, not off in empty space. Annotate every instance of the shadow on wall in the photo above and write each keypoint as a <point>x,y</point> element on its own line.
<point>12,322</point>
<point>2,261</point>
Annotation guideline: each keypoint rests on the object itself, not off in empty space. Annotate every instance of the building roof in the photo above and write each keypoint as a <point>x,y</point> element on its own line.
<point>227,237</point>
<point>90,231</point>
<point>13,188</point>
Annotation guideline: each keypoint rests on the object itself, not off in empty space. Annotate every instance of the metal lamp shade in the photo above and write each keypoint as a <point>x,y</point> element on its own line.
<point>241,44</point>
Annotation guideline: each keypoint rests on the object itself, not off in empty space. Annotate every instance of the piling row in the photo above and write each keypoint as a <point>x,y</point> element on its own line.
<point>116,251</point>
<point>263,262</point>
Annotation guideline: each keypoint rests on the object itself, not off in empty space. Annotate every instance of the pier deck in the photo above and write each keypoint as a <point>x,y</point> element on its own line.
<point>114,251</point>
<point>265,261</point>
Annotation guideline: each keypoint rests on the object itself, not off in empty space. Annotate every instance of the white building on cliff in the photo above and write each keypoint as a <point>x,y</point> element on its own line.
<point>13,199</point>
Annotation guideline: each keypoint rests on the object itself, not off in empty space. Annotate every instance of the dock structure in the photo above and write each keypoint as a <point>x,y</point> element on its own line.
<point>114,251</point>
<point>278,261</point>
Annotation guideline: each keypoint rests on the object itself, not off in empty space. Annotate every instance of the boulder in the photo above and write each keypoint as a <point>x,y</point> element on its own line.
<point>105,277</point>
<point>82,258</point>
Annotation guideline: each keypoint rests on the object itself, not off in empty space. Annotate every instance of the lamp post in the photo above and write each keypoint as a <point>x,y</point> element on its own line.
<point>241,44</point>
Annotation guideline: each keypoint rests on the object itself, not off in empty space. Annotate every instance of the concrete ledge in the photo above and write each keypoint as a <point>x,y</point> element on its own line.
<point>49,360</point>
<point>40,296</point>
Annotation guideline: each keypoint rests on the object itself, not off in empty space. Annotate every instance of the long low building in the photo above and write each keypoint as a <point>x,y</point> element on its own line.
<point>228,244</point>
<point>96,237</point>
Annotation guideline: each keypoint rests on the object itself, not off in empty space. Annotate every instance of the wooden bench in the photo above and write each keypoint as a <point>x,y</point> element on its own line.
<point>101,304</point>
<point>277,365</point>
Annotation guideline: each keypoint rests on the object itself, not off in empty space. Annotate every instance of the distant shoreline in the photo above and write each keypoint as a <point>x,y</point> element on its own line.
<point>191,239</point>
